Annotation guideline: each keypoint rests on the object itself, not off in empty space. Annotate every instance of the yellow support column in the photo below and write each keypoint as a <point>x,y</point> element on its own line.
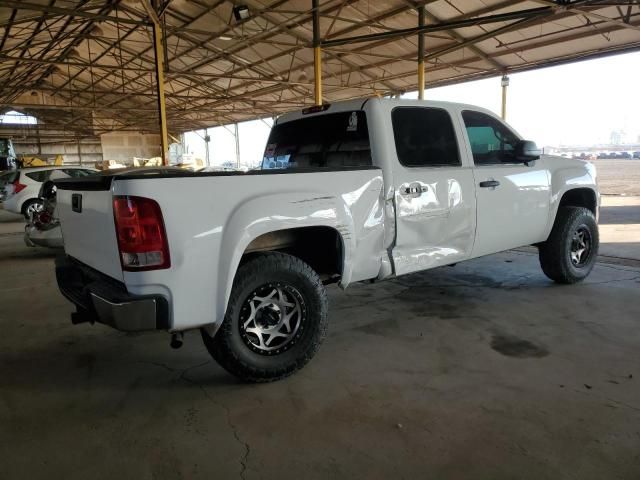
<point>421,55</point>
<point>317,55</point>
<point>505,83</point>
<point>317,74</point>
<point>162,108</point>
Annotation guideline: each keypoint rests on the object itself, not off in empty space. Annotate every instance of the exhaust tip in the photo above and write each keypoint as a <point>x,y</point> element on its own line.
<point>81,317</point>
<point>177,339</point>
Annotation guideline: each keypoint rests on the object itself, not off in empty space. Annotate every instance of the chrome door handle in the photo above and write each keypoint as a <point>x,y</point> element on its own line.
<point>414,189</point>
<point>490,184</point>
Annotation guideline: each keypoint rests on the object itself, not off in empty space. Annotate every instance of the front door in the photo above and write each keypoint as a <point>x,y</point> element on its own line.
<point>513,198</point>
<point>434,191</point>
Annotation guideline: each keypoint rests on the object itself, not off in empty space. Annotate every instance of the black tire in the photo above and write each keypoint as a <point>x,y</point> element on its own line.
<point>240,351</point>
<point>556,253</point>
<point>26,205</point>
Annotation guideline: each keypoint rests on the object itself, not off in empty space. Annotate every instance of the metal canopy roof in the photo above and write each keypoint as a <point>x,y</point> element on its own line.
<point>89,65</point>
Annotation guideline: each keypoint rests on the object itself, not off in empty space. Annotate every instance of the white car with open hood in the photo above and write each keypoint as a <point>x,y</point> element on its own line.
<point>358,190</point>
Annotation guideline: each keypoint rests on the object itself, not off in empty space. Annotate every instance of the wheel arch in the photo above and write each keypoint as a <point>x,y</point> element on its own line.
<point>320,246</point>
<point>580,197</point>
<point>253,228</point>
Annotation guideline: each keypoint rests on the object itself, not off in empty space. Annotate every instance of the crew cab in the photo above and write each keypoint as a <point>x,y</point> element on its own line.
<point>358,190</point>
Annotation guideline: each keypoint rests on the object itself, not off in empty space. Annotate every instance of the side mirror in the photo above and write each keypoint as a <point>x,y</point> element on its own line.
<point>527,151</point>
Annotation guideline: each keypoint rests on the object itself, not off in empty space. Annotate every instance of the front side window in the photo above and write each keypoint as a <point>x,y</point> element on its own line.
<point>424,137</point>
<point>492,142</point>
<point>326,141</point>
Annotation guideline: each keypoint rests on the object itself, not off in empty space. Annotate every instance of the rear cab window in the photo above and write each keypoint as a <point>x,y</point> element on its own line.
<point>425,137</point>
<point>330,141</point>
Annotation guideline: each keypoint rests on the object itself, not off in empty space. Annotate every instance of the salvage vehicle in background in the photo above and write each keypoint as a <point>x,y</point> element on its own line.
<point>21,194</point>
<point>360,190</point>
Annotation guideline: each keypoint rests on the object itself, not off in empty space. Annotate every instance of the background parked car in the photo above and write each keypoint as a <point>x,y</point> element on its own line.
<point>21,192</point>
<point>43,227</point>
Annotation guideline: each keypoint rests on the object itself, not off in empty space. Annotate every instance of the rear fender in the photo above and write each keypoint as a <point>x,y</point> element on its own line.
<point>255,217</point>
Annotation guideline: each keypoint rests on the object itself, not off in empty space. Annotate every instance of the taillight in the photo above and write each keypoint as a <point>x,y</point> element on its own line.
<point>18,187</point>
<point>142,239</point>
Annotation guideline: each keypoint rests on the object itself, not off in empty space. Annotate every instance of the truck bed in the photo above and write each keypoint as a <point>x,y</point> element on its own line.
<point>210,219</point>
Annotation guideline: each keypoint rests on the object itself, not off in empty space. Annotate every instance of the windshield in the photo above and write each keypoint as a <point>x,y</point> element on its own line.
<point>326,141</point>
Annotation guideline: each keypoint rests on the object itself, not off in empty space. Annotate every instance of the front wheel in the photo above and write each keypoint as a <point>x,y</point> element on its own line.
<point>570,252</point>
<point>275,322</point>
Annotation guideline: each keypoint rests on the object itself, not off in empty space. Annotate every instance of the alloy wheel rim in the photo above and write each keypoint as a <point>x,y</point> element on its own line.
<point>33,209</point>
<point>581,245</point>
<point>272,318</point>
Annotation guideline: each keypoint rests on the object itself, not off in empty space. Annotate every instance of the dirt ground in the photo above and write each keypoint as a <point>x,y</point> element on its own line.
<point>618,177</point>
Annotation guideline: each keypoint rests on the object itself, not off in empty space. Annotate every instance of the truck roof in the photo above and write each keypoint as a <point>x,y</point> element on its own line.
<point>359,103</point>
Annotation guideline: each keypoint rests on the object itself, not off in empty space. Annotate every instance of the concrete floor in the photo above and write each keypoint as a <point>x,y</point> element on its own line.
<point>485,370</point>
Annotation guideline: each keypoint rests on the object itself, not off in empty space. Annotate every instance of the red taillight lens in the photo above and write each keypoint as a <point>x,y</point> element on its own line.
<point>142,239</point>
<point>18,187</point>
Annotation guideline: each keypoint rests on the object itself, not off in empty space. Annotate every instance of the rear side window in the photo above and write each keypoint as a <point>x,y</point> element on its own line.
<point>77,172</point>
<point>40,176</point>
<point>8,177</point>
<point>424,137</point>
<point>326,141</point>
<point>492,142</point>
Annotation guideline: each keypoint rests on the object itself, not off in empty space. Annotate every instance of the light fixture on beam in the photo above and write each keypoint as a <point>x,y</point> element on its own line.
<point>241,12</point>
<point>75,54</point>
<point>96,31</point>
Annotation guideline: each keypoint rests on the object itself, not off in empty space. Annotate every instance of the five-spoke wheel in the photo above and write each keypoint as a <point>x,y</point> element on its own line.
<point>275,321</point>
<point>569,253</point>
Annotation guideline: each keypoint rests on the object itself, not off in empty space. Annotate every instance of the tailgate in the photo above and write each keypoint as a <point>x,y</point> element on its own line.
<point>85,210</point>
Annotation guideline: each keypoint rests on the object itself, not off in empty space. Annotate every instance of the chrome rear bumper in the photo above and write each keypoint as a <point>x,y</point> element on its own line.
<point>99,298</point>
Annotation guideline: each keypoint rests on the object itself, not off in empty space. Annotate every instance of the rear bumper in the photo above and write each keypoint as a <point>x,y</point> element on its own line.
<point>99,298</point>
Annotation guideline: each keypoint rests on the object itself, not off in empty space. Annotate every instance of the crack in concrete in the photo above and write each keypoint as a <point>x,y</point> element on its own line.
<point>234,429</point>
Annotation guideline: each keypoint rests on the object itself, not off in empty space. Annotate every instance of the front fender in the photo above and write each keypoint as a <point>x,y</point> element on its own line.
<point>569,175</point>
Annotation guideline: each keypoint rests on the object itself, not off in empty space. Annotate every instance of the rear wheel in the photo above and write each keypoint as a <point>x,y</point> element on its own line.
<point>275,322</point>
<point>570,252</point>
<point>31,207</point>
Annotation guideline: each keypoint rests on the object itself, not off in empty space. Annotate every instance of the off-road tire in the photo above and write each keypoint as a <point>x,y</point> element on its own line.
<point>231,350</point>
<point>555,253</point>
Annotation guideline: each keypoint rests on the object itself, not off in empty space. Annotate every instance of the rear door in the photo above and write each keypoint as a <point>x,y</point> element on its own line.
<point>513,198</point>
<point>434,190</point>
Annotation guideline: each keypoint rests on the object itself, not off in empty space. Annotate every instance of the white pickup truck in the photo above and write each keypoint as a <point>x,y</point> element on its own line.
<point>358,190</point>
